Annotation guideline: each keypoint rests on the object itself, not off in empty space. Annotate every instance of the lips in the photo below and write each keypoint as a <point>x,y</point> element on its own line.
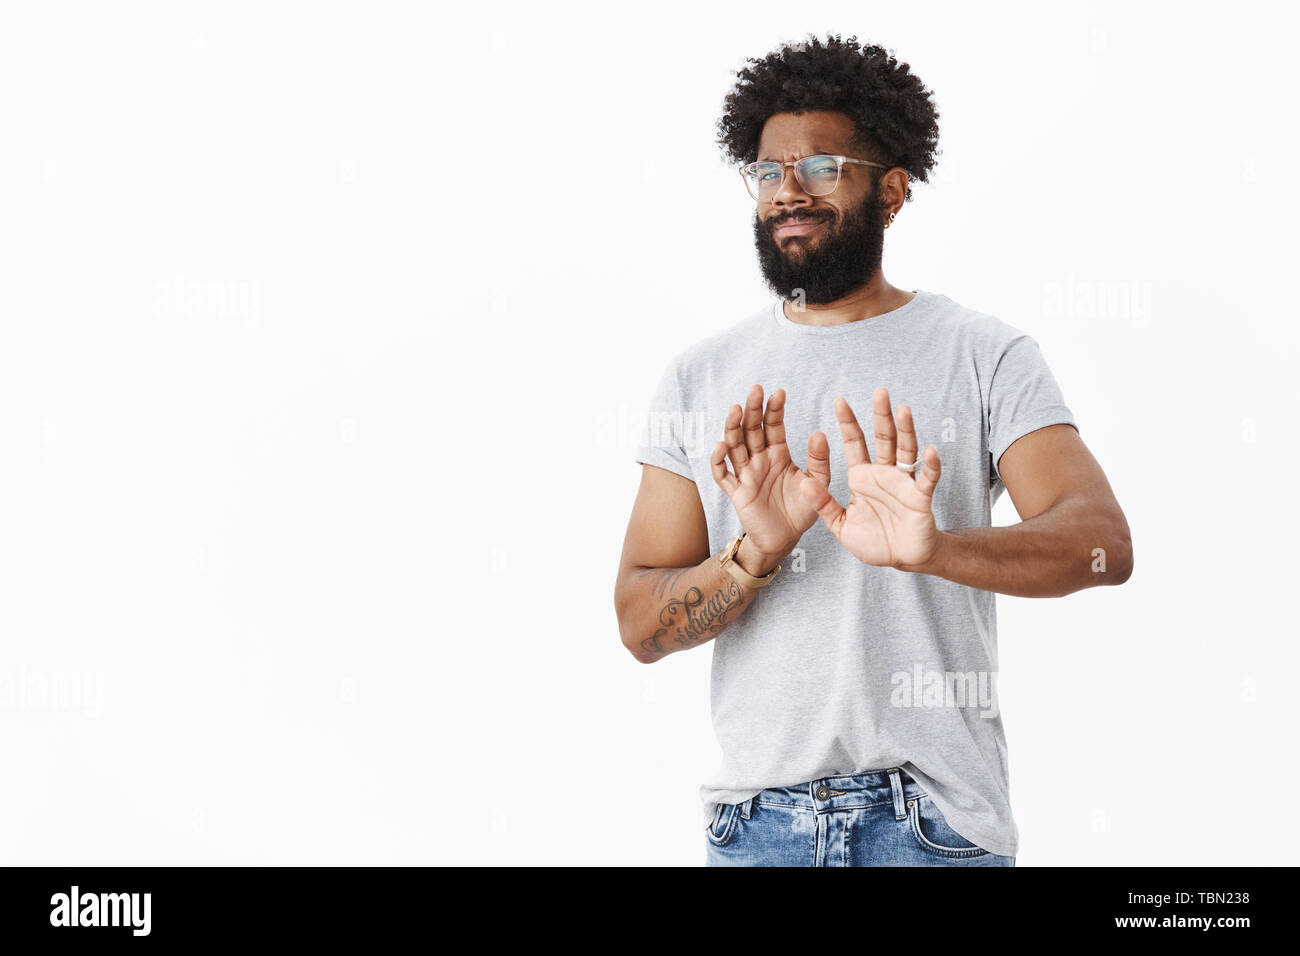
<point>797,226</point>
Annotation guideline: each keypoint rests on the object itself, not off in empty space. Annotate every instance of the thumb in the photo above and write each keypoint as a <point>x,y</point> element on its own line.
<point>718,467</point>
<point>823,502</point>
<point>819,458</point>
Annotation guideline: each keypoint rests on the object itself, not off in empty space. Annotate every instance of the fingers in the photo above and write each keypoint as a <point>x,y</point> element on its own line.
<point>718,466</point>
<point>754,439</point>
<point>774,420</point>
<point>819,458</point>
<point>906,437</point>
<point>883,419</point>
<point>855,443</point>
<point>928,477</point>
<point>733,437</point>
<point>823,502</point>
<point>748,431</point>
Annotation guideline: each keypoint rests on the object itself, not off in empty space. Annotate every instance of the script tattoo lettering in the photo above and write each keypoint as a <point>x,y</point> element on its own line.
<point>691,618</point>
<point>666,581</point>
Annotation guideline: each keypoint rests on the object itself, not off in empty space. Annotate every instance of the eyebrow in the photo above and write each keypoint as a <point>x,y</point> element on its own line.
<point>815,152</point>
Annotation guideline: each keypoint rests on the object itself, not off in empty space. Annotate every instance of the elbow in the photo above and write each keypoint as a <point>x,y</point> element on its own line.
<point>640,656</point>
<point>626,629</point>
<point>1125,570</point>
<point>637,649</point>
<point>1110,552</point>
<point>1122,566</point>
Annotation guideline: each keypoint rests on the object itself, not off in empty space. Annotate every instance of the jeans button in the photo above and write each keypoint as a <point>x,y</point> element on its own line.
<point>823,792</point>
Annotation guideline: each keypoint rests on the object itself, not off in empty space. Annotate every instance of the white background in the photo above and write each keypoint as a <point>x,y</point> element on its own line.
<point>325,327</point>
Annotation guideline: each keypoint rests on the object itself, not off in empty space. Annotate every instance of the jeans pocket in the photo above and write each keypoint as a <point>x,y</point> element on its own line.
<point>723,826</point>
<point>932,832</point>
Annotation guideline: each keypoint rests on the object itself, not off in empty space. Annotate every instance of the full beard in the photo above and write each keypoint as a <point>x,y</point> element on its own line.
<point>824,268</point>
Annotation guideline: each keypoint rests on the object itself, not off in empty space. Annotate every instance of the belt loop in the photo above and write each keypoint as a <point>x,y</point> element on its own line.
<point>896,782</point>
<point>747,807</point>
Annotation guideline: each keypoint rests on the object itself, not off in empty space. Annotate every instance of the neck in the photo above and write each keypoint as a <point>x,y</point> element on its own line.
<point>875,298</point>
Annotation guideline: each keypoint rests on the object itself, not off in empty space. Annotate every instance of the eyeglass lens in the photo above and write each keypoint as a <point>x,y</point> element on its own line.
<point>817,175</point>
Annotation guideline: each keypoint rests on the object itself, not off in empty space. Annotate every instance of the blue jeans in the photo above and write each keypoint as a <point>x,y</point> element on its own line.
<point>878,818</point>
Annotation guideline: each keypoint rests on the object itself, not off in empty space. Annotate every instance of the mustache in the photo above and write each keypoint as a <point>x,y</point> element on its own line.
<point>777,222</point>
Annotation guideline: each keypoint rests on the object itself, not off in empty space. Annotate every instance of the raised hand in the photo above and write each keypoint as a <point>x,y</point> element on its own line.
<point>765,489</point>
<point>889,521</point>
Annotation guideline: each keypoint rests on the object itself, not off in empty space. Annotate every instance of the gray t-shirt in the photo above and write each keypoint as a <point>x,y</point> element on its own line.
<point>838,667</point>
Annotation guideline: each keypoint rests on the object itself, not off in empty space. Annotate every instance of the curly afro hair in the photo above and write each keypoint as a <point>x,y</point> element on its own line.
<point>892,111</point>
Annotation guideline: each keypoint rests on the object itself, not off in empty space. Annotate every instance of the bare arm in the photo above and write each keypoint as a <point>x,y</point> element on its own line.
<point>671,594</point>
<point>1073,534</point>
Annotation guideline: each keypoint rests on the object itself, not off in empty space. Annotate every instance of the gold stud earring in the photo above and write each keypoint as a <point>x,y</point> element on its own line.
<point>891,219</point>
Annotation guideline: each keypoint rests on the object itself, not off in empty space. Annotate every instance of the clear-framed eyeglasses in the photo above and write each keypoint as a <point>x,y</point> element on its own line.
<point>817,175</point>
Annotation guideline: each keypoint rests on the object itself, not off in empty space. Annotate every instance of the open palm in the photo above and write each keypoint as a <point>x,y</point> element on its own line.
<point>766,487</point>
<point>889,520</point>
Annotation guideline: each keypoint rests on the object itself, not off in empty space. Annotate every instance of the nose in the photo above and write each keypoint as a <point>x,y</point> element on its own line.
<point>790,193</point>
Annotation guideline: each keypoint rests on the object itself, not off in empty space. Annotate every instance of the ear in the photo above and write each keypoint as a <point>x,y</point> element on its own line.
<point>893,189</point>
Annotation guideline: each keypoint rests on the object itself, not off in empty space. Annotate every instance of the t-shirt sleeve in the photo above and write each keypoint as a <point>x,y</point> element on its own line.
<point>661,440</point>
<point>1023,397</point>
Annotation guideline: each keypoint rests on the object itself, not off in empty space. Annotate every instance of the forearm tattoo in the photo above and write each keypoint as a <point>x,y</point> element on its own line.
<point>691,619</point>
